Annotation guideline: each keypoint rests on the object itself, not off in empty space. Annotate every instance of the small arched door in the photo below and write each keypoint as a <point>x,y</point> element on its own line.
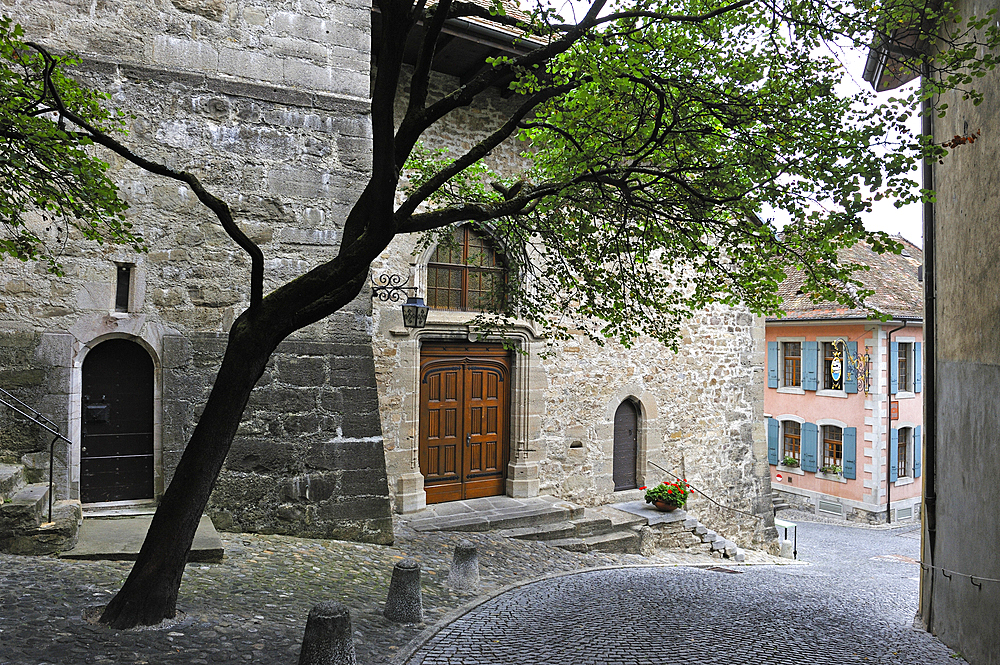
<point>116,449</point>
<point>626,446</point>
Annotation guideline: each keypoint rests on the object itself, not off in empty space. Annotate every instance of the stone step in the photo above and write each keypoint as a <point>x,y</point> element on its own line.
<point>58,535</point>
<point>556,531</point>
<point>25,509</point>
<point>11,480</point>
<point>617,542</point>
<point>592,526</point>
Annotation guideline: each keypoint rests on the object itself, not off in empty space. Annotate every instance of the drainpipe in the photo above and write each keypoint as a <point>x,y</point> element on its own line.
<point>928,512</point>
<point>888,421</point>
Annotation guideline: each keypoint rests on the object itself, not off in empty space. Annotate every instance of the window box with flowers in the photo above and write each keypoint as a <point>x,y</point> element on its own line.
<point>669,495</point>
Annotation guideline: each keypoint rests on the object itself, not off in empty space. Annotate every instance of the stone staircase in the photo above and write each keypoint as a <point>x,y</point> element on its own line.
<point>778,501</point>
<point>624,528</point>
<point>24,506</point>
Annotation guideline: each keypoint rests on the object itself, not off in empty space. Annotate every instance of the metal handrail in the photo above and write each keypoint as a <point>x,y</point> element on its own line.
<point>36,417</point>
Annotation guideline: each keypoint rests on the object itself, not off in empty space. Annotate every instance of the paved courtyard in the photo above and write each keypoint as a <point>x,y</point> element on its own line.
<point>853,602</point>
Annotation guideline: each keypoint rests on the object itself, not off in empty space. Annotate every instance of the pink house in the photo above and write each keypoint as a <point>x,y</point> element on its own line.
<point>843,399</point>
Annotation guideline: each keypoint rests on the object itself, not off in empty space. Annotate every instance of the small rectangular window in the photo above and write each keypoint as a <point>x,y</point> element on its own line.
<point>792,440</point>
<point>904,375</point>
<point>833,447</point>
<point>122,286</point>
<point>903,458</point>
<point>792,352</point>
<point>833,367</point>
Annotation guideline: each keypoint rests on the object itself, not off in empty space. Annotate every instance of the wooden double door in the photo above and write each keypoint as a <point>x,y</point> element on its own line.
<point>464,420</point>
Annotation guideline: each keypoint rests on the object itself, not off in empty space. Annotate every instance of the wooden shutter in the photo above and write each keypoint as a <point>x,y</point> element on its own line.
<point>918,375</point>
<point>772,441</point>
<point>810,436</point>
<point>894,368</point>
<point>850,452</point>
<point>773,358</point>
<point>810,358</point>
<point>893,454</point>
<point>850,372</point>
<point>917,444</point>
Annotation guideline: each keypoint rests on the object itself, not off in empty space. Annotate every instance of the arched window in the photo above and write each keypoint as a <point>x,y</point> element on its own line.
<point>833,447</point>
<point>466,273</point>
<point>791,441</point>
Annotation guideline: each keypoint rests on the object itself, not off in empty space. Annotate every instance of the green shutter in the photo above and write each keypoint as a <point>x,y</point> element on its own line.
<point>918,374</point>
<point>810,435</point>
<point>810,356</point>
<point>917,445</point>
<point>772,441</point>
<point>850,452</point>
<point>772,364</point>
<point>893,455</point>
<point>850,371</point>
<point>894,368</point>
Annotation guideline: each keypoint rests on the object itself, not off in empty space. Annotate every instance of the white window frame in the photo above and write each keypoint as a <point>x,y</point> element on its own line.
<point>821,369</point>
<point>908,478</point>
<point>906,392</point>
<point>782,388</point>
<point>797,470</point>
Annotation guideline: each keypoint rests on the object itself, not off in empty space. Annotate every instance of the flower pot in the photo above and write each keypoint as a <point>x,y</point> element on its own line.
<point>665,507</point>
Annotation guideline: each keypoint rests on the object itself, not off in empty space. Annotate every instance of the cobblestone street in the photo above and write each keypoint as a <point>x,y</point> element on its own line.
<point>853,603</point>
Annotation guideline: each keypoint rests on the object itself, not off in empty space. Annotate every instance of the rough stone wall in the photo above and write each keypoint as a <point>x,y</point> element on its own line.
<point>701,410</point>
<point>268,104</point>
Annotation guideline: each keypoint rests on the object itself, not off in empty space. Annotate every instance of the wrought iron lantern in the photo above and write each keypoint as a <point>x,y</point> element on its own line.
<point>389,288</point>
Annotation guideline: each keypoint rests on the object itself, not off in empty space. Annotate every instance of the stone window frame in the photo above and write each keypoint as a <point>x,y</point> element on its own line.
<point>907,391</point>
<point>841,392</point>
<point>782,388</point>
<point>820,452</point>
<point>782,419</point>
<point>910,427</point>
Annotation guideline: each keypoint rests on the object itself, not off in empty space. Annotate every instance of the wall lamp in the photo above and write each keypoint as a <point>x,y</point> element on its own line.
<point>389,288</point>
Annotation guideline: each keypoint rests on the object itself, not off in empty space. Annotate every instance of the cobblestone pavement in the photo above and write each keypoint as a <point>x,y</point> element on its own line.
<point>855,604</point>
<point>252,607</point>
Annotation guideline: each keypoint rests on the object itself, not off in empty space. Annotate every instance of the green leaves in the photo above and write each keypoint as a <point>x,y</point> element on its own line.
<point>50,174</point>
<point>676,125</point>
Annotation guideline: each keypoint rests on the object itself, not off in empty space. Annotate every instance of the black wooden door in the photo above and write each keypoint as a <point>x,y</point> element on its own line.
<point>626,444</point>
<point>116,454</point>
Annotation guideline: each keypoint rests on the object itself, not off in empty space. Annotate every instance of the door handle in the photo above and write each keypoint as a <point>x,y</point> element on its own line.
<point>468,440</point>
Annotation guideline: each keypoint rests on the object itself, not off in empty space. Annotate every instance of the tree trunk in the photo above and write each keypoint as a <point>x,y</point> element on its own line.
<point>149,595</point>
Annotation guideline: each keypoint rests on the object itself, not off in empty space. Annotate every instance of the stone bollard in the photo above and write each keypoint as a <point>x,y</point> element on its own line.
<point>464,574</point>
<point>404,603</point>
<point>786,549</point>
<point>328,638</point>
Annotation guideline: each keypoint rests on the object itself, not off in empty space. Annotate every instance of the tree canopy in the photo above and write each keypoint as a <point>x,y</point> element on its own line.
<point>657,132</point>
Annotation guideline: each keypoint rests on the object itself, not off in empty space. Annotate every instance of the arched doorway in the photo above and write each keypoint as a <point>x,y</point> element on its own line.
<point>626,446</point>
<point>116,447</point>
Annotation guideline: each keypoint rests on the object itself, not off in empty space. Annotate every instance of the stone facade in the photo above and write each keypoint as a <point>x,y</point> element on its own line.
<point>268,105</point>
<point>700,410</point>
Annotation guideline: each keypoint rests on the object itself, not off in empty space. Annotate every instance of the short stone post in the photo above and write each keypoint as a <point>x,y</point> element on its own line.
<point>328,639</point>
<point>785,551</point>
<point>404,603</point>
<point>464,573</point>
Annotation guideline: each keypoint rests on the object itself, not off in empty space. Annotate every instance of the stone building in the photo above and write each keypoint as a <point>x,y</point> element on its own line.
<point>270,107</point>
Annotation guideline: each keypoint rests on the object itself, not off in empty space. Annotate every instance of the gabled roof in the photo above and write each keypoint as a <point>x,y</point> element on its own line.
<point>893,277</point>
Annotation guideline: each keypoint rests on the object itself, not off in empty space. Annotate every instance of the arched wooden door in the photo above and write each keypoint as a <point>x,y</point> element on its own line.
<point>116,453</point>
<point>626,446</point>
<point>464,422</point>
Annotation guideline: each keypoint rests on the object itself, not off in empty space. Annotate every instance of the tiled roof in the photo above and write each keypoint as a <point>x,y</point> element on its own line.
<point>893,277</point>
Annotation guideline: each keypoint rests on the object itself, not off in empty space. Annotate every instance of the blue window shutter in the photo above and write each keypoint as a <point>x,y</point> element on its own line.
<point>772,364</point>
<point>850,452</point>
<point>894,368</point>
<point>810,355</point>
<point>850,372</point>
<point>893,455</point>
<point>772,441</point>
<point>810,435</point>
<point>918,375</point>
<point>917,444</point>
